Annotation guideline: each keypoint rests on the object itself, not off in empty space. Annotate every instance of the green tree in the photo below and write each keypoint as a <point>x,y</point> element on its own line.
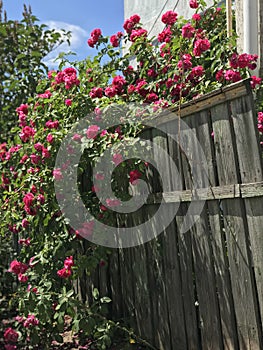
<point>23,45</point>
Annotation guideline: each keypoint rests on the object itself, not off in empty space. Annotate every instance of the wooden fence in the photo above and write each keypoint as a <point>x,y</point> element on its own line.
<point>202,289</point>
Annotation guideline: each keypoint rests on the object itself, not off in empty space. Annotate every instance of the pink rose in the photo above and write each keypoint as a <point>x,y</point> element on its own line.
<point>10,347</point>
<point>41,198</point>
<point>193,4</point>
<point>64,273</point>
<point>57,174</point>
<point>188,31</point>
<point>255,81</point>
<point>94,37</point>
<point>86,229</point>
<point>50,138</point>
<point>22,278</point>
<point>45,153</point>
<point>96,92</point>
<point>35,159</point>
<point>201,45</point>
<point>113,202</point>
<point>99,176</point>
<point>17,267</point>
<point>28,199</point>
<point>31,320</point>
<point>115,39</point>
<point>196,17</point>
<point>76,137</point>
<point>68,102</point>
<point>169,17</point>
<point>10,335</point>
<point>52,124</point>
<point>25,223</point>
<point>165,36</point>
<point>134,176</point>
<point>27,133</point>
<point>68,262</point>
<point>92,131</point>
<point>25,242</point>
<point>138,33</point>
<point>117,158</point>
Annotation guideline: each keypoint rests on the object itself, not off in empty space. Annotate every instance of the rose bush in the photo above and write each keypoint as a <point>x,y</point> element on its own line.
<point>192,57</point>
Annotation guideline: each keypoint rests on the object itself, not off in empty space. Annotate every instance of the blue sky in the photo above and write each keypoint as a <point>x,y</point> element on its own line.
<point>79,16</point>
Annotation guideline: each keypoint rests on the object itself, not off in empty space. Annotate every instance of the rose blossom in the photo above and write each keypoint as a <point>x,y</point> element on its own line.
<point>25,223</point>
<point>92,131</point>
<point>17,267</point>
<point>188,31</point>
<point>68,262</point>
<point>22,278</point>
<point>64,273</point>
<point>255,81</point>
<point>50,138</point>
<point>68,102</point>
<point>10,335</point>
<point>94,37</point>
<point>57,174</point>
<point>193,4</point>
<point>200,46</point>
<point>24,241</point>
<point>52,124</point>
<point>96,92</point>
<point>138,33</point>
<point>28,199</point>
<point>31,320</point>
<point>130,23</point>
<point>112,202</point>
<point>117,158</point>
<point>134,176</point>
<point>169,17</point>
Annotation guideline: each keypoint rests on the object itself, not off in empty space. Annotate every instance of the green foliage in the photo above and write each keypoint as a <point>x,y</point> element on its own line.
<point>23,45</point>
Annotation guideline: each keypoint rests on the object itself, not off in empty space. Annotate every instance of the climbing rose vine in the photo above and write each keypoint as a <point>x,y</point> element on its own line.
<point>189,58</point>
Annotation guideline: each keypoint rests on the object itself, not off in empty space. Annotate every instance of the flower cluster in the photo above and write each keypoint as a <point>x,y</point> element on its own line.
<point>19,269</point>
<point>67,77</point>
<point>260,122</point>
<point>94,37</point>
<point>130,23</point>
<point>115,39</point>
<point>66,271</point>
<point>169,17</point>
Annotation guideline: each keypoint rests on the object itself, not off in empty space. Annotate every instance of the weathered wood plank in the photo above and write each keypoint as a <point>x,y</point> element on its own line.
<point>235,228</point>
<point>204,275</point>
<point>184,243</point>
<point>115,285</point>
<point>142,296</point>
<point>206,101</point>
<point>249,190</point>
<point>188,286</point>
<point>171,263</point>
<point>250,164</point>
<point>158,278</point>
<point>217,239</point>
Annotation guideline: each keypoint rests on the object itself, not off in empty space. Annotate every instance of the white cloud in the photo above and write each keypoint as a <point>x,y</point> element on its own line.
<point>78,39</point>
